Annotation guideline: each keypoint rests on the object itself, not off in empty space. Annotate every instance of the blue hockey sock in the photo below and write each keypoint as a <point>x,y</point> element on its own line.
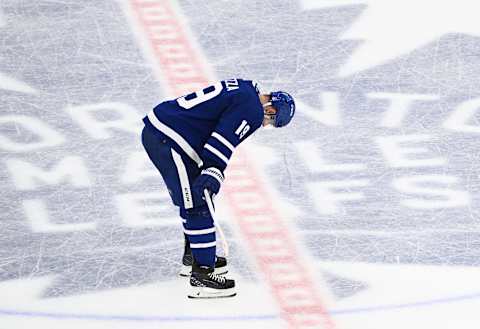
<point>200,231</point>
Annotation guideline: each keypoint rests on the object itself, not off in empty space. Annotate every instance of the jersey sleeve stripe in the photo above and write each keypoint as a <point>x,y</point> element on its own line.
<point>187,148</point>
<point>224,141</point>
<point>217,153</point>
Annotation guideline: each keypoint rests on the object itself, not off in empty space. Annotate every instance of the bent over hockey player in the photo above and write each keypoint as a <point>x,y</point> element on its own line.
<point>190,140</point>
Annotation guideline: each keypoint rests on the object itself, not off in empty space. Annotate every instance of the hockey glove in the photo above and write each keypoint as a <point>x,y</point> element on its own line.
<point>211,179</point>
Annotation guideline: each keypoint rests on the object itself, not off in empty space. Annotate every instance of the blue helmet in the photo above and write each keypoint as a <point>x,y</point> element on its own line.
<point>285,106</point>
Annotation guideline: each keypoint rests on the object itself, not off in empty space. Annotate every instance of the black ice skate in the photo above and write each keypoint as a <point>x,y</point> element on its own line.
<point>187,261</point>
<point>206,284</point>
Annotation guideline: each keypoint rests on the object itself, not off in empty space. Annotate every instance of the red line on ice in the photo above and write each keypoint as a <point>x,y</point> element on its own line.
<point>262,227</point>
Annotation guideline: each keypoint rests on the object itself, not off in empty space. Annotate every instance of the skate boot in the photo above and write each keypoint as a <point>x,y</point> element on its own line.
<point>206,284</point>
<point>187,261</point>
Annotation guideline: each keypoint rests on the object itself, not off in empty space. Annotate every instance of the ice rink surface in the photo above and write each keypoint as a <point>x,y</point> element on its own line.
<point>374,189</point>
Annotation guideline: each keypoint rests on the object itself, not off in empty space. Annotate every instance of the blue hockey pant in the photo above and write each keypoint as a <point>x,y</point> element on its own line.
<point>178,172</point>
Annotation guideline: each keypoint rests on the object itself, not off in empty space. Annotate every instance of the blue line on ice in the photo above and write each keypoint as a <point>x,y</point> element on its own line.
<point>378,308</point>
<point>104,317</point>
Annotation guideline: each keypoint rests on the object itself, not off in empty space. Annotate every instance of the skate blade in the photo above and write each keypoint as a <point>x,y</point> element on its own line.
<point>209,293</point>
<point>186,271</point>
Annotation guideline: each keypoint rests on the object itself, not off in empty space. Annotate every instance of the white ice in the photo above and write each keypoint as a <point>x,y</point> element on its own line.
<point>376,181</point>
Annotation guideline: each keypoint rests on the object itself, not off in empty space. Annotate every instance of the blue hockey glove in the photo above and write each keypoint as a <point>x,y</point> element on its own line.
<point>211,179</point>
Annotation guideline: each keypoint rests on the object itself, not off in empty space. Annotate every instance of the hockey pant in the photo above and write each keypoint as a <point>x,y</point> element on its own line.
<point>178,172</point>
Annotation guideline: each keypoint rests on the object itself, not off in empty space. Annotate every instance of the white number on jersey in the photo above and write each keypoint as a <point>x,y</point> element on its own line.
<point>242,129</point>
<point>200,96</point>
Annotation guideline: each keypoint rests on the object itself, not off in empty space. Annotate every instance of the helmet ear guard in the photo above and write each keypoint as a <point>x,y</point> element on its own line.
<point>285,106</point>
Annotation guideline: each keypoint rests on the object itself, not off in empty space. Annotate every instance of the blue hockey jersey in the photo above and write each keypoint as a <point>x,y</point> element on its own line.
<point>209,124</point>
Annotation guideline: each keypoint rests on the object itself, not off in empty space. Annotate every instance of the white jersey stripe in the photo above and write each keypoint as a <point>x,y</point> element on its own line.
<point>224,141</point>
<point>187,148</point>
<point>217,153</point>
<point>199,232</point>
<point>184,183</point>
<point>203,245</point>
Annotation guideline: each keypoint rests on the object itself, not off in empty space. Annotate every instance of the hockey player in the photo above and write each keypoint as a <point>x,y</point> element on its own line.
<point>190,140</point>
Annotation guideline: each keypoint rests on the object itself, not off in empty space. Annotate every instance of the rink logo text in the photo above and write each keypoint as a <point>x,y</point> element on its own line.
<point>399,151</point>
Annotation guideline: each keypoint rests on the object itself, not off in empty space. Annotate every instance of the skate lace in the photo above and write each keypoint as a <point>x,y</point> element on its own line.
<point>216,277</point>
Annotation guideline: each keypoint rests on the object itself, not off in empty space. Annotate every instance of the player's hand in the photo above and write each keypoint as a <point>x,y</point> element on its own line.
<point>211,179</point>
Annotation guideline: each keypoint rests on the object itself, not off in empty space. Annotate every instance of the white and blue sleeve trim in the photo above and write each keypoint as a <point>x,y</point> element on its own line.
<point>219,149</point>
<point>224,141</point>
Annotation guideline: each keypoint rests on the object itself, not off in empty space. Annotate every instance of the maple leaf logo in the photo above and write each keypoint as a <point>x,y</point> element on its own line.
<point>389,28</point>
<point>301,59</point>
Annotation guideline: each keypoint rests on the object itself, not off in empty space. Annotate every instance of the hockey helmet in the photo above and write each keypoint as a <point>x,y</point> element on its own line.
<point>285,107</point>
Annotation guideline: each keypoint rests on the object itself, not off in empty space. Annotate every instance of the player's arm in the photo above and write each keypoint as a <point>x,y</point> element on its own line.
<point>238,122</point>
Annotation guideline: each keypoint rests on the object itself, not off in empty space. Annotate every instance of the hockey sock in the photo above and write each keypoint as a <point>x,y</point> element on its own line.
<point>200,232</point>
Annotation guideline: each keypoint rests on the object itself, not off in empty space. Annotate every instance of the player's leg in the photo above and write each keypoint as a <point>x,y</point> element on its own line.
<point>178,172</point>
<point>200,231</point>
<point>199,227</point>
<point>187,258</point>
<point>159,154</point>
<point>187,261</point>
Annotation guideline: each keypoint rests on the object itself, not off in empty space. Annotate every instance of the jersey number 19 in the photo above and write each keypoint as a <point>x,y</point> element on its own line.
<point>200,96</point>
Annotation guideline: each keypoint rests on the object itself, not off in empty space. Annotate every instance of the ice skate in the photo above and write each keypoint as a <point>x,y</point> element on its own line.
<point>206,284</point>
